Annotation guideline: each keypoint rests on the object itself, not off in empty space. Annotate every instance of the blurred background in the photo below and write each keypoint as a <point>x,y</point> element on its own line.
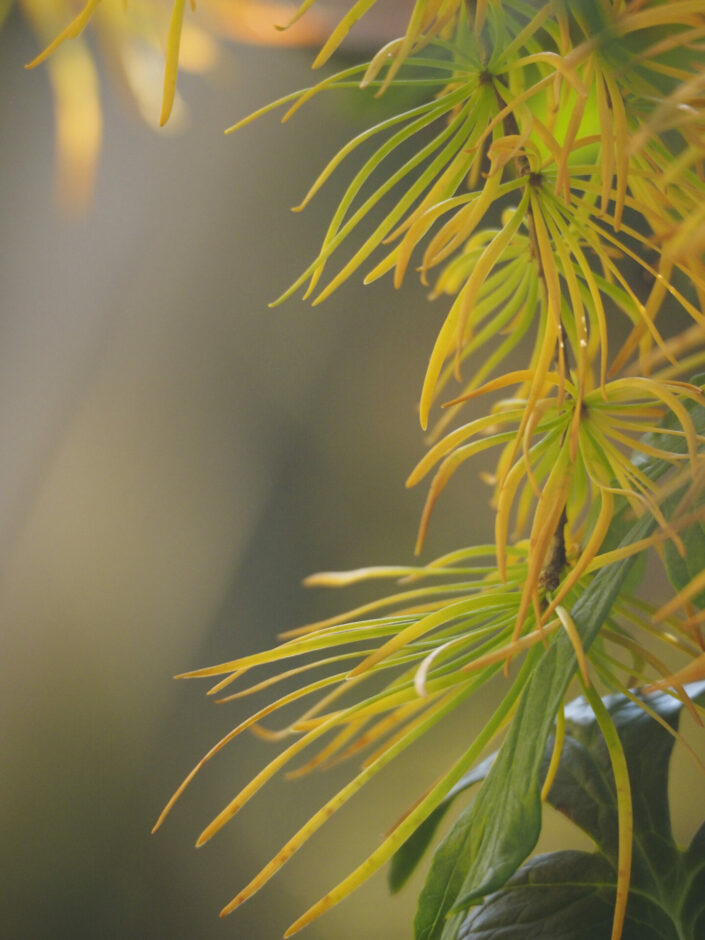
<point>176,457</point>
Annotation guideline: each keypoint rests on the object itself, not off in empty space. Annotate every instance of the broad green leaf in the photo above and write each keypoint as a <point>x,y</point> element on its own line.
<point>583,788</point>
<point>693,910</point>
<point>572,893</point>
<point>562,896</point>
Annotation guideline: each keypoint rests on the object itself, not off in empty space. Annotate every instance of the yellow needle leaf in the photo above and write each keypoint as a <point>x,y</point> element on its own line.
<point>75,28</point>
<point>555,756</point>
<point>625,814</point>
<point>411,822</point>
<point>247,723</point>
<point>340,798</point>
<point>171,66</point>
<point>693,672</point>
<point>574,637</point>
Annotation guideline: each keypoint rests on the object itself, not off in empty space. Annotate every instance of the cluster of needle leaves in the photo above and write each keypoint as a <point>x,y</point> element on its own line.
<point>549,182</point>
<point>141,46</point>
